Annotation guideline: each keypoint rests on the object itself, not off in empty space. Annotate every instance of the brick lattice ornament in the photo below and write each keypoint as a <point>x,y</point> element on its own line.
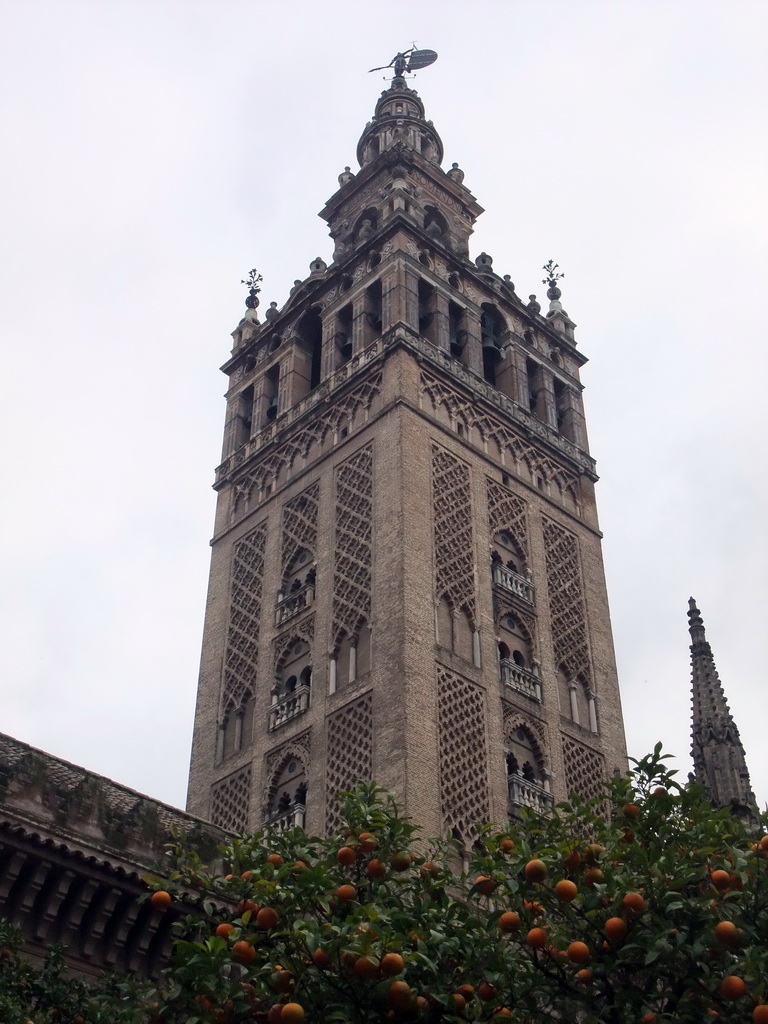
<point>454,546</point>
<point>566,601</point>
<point>349,743</point>
<point>353,547</point>
<point>351,410</point>
<point>584,769</point>
<point>242,651</point>
<point>463,754</point>
<point>230,799</point>
<point>300,525</point>
<point>507,514</point>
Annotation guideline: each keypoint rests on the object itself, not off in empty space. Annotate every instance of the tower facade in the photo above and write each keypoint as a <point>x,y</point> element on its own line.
<point>719,762</point>
<point>406,580</point>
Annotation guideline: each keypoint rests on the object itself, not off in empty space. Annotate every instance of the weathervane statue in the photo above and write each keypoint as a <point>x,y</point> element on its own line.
<point>408,61</point>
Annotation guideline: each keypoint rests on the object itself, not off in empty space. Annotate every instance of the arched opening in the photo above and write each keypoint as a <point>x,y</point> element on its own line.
<point>517,665</point>
<point>343,336</point>
<point>373,312</point>
<point>509,567</point>
<point>493,328</point>
<point>457,331</point>
<point>435,223</point>
<point>527,778</point>
<point>297,590</point>
<point>427,310</point>
<point>293,679</point>
<point>287,795</point>
<point>308,354</point>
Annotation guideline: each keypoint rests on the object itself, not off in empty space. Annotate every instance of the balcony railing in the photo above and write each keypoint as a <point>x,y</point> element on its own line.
<point>294,816</point>
<point>513,582</point>
<point>523,793</point>
<point>520,679</point>
<point>288,707</point>
<point>293,603</point>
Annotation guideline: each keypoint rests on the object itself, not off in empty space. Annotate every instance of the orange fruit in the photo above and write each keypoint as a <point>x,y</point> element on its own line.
<point>346,893</point>
<point>633,903</point>
<point>292,1013</point>
<point>487,991</point>
<point>281,981</point>
<point>366,968</point>
<point>507,845</point>
<point>391,964</point>
<point>275,860</point>
<point>485,885</point>
<point>274,1014</point>
<point>509,921</point>
<point>224,930</point>
<point>161,899</point>
<point>573,860</point>
<point>536,938</point>
<point>401,861</point>
<point>593,876</point>
<point>376,868</point>
<point>764,843</point>
<point>566,891</point>
<point>501,1013</point>
<point>243,952</point>
<point>467,992</point>
<point>585,976</point>
<point>649,1018</point>
<point>429,869</point>
<point>399,995</point>
<point>760,1014</point>
<point>321,959</point>
<point>535,870</point>
<point>456,1002</point>
<point>720,879</point>
<point>346,856</point>
<point>659,792</point>
<point>630,810</point>
<point>578,953</point>
<point>368,842</point>
<point>732,987</point>
<point>534,907</point>
<point>615,929</point>
<point>728,934</point>
<point>267,918</point>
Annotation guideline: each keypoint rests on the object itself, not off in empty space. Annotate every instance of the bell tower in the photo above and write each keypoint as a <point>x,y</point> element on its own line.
<point>406,579</point>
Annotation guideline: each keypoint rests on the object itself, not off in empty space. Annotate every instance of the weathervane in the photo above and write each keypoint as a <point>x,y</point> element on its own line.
<point>408,61</point>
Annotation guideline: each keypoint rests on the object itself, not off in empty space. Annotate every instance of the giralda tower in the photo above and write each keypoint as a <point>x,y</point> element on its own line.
<point>406,579</point>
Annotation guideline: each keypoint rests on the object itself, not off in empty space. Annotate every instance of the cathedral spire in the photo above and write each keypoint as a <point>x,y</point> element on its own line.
<point>718,754</point>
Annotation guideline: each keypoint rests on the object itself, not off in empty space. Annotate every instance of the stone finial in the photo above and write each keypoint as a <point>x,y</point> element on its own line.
<point>508,282</point>
<point>553,292</point>
<point>456,174</point>
<point>253,284</point>
<point>345,177</point>
<point>317,266</point>
<point>533,305</point>
<point>272,312</point>
<point>296,285</point>
<point>484,263</point>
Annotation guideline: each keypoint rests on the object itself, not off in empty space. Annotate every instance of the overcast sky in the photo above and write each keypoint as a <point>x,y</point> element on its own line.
<point>155,150</point>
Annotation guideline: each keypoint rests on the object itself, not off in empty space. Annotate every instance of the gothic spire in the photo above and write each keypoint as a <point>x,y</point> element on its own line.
<point>718,755</point>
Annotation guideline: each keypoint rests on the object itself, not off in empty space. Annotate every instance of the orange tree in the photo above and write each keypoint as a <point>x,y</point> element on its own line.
<point>648,906</point>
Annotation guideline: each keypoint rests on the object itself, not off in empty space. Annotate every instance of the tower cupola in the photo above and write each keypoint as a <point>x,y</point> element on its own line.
<point>399,118</point>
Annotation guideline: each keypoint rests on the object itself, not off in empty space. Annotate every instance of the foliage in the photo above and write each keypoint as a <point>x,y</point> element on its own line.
<point>374,924</point>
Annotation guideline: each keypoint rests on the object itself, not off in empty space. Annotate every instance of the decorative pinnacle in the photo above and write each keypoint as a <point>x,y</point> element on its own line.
<point>550,268</point>
<point>695,622</point>
<point>252,282</point>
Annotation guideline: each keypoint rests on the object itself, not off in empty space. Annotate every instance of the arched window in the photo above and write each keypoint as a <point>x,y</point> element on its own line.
<point>493,329</point>
<point>235,727</point>
<point>297,590</point>
<point>435,223</point>
<point>517,666</point>
<point>293,680</point>
<point>509,566</point>
<point>309,353</point>
<point>527,777</point>
<point>287,794</point>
